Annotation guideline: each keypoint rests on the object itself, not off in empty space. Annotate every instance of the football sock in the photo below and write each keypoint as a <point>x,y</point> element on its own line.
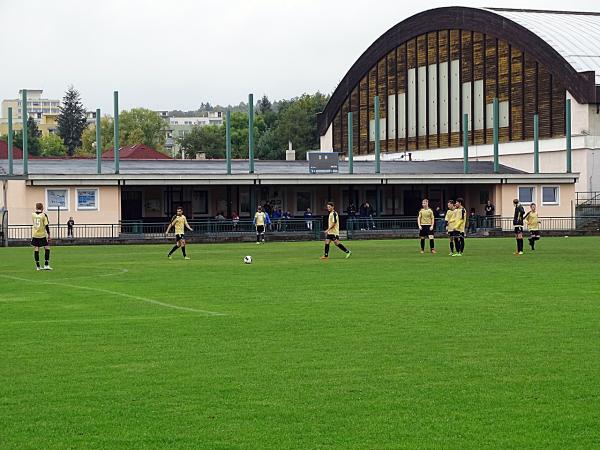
<point>452,246</point>
<point>183,250</point>
<point>343,248</point>
<point>46,256</point>
<point>422,244</point>
<point>462,244</point>
<point>326,249</point>
<point>36,256</point>
<point>173,250</point>
<point>520,245</point>
<point>431,244</point>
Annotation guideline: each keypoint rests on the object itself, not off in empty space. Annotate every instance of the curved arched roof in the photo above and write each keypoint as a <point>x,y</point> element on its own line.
<point>567,43</point>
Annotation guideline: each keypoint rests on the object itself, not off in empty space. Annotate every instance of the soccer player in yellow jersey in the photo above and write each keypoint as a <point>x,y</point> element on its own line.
<point>180,223</point>
<point>40,236</point>
<point>426,221</point>
<point>333,232</point>
<point>450,223</point>
<point>533,225</point>
<point>260,221</point>
<point>460,217</point>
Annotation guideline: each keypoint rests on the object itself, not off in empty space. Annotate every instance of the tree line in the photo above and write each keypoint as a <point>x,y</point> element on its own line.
<point>275,124</point>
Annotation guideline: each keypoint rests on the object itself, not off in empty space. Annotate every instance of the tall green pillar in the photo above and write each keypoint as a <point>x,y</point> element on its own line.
<point>496,137</point>
<point>228,141</point>
<point>250,133</point>
<point>25,132</point>
<point>377,133</point>
<point>350,145</point>
<point>116,145</point>
<point>98,143</point>
<point>568,132</point>
<point>536,143</point>
<point>465,143</point>
<point>10,143</point>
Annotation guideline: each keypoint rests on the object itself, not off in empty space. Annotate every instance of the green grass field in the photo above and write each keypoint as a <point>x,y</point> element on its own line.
<point>119,347</point>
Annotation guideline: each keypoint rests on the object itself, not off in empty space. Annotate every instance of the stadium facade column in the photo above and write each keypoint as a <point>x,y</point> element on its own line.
<point>98,143</point>
<point>496,119</point>
<point>465,143</point>
<point>250,133</point>
<point>350,145</point>
<point>116,146</point>
<point>568,133</point>
<point>25,132</point>
<point>377,133</point>
<point>536,143</point>
<point>10,143</point>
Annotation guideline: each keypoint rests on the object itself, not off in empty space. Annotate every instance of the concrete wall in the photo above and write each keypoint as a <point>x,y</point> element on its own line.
<point>565,207</point>
<point>21,200</point>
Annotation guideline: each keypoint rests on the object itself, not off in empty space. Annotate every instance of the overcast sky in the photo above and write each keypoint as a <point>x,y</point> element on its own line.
<point>174,54</point>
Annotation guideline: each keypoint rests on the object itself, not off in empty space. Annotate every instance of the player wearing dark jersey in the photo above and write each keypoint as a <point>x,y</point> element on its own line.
<point>518,224</point>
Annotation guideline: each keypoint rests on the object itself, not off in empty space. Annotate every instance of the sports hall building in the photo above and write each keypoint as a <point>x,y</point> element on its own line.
<point>434,67</point>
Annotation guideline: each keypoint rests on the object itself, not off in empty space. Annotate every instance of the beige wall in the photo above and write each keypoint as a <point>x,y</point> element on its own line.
<point>21,200</point>
<point>508,193</point>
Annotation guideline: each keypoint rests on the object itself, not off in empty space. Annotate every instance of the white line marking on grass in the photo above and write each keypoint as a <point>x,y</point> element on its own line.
<point>120,294</point>
<point>84,320</point>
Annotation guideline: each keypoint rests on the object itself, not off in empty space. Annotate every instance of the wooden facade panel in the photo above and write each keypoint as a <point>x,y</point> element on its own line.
<point>364,116</point>
<point>506,72</point>
<point>530,96</point>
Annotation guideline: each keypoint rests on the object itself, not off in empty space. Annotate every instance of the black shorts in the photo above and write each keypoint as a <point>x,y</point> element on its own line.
<point>180,237</point>
<point>454,233</point>
<point>518,229</point>
<point>425,231</point>
<point>39,242</point>
<point>260,228</point>
<point>332,237</point>
<point>535,233</point>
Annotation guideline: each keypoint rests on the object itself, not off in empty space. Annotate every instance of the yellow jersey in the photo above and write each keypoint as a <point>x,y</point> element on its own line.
<point>451,219</point>
<point>40,222</point>
<point>532,220</point>
<point>426,216</point>
<point>334,223</point>
<point>179,222</point>
<point>259,218</point>
<point>461,219</point>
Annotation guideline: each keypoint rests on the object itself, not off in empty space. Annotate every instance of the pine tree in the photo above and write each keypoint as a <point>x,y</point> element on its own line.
<point>33,138</point>
<point>71,120</point>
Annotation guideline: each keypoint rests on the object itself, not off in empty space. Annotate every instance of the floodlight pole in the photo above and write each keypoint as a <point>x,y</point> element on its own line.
<point>350,145</point>
<point>98,143</point>
<point>25,132</point>
<point>228,141</point>
<point>377,133</point>
<point>10,142</point>
<point>496,119</point>
<point>465,143</point>
<point>250,133</point>
<point>116,131</point>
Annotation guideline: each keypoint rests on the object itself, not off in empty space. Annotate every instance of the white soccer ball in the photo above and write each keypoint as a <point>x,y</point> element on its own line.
<point>248,259</point>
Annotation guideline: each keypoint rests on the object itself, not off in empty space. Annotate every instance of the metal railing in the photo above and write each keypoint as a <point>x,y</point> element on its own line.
<point>139,230</point>
<point>590,198</point>
<point>311,229</point>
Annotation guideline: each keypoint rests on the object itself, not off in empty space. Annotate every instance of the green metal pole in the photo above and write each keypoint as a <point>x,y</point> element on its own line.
<point>98,142</point>
<point>568,130</point>
<point>10,143</point>
<point>25,133</point>
<point>536,143</point>
<point>250,133</point>
<point>466,143</point>
<point>116,145</point>
<point>377,133</point>
<point>496,119</point>
<point>228,141</point>
<point>350,145</point>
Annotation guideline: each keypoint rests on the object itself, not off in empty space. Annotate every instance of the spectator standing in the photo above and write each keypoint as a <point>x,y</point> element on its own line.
<point>370,212</point>
<point>472,221</point>
<point>308,219</point>
<point>235,219</point>
<point>490,210</point>
<point>441,219</point>
<point>351,215</point>
<point>70,225</point>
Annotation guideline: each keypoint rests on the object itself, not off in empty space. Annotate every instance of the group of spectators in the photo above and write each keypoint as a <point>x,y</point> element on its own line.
<point>361,218</point>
